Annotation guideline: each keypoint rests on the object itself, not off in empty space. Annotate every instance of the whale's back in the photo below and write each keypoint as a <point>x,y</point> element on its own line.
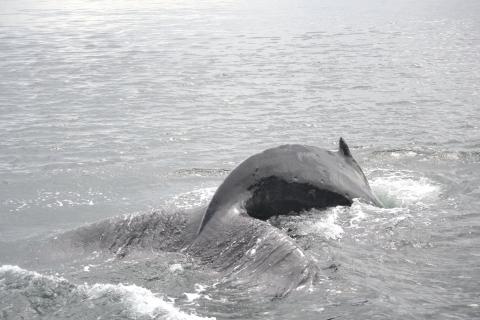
<point>289,179</point>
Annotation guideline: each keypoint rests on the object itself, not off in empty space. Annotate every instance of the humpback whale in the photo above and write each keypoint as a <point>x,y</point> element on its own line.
<point>231,235</point>
<point>288,180</point>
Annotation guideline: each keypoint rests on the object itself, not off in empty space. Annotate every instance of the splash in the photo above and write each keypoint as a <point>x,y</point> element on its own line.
<point>16,271</point>
<point>404,189</point>
<point>199,293</point>
<point>323,223</point>
<point>138,300</point>
<point>327,225</point>
<point>51,293</point>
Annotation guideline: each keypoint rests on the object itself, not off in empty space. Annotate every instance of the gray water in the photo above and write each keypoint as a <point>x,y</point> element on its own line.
<point>124,107</point>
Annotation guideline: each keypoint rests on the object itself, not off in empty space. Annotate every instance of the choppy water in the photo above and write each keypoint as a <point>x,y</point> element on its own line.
<point>121,107</point>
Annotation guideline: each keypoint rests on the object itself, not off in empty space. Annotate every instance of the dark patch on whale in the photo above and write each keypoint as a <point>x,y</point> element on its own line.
<point>284,198</point>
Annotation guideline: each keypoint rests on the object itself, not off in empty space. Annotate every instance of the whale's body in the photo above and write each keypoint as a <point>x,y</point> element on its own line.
<point>230,235</point>
<point>287,180</point>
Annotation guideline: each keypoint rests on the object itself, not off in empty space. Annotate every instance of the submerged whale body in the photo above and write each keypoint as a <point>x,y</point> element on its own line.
<point>288,180</point>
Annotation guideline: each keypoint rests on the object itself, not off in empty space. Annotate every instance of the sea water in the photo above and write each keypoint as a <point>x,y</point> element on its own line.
<point>112,108</point>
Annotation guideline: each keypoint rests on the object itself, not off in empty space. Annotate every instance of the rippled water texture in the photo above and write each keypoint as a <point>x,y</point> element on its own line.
<point>121,107</point>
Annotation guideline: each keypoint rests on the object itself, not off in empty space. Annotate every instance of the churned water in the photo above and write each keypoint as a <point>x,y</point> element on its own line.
<point>124,107</point>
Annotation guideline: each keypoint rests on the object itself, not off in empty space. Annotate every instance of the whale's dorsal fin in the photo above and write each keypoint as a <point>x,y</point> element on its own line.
<point>343,148</point>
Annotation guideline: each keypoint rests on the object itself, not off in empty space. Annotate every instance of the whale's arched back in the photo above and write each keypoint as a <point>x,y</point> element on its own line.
<point>289,179</point>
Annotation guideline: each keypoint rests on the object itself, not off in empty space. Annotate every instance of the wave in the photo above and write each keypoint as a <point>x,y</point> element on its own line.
<point>29,294</point>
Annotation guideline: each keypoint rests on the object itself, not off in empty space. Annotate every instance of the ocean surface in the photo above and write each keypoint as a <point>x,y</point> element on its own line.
<point>123,108</point>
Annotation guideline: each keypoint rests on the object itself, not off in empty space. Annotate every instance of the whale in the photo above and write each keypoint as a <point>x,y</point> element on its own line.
<point>288,179</point>
<point>231,234</point>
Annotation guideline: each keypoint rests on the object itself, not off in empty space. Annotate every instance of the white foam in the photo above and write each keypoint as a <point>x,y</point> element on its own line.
<point>176,267</point>
<point>359,212</point>
<point>326,225</point>
<point>200,287</point>
<point>406,154</point>
<point>403,188</point>
<point>138,300</point>
<point>17,271</point>
<point>199,293</point>
<point>192,296</point>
